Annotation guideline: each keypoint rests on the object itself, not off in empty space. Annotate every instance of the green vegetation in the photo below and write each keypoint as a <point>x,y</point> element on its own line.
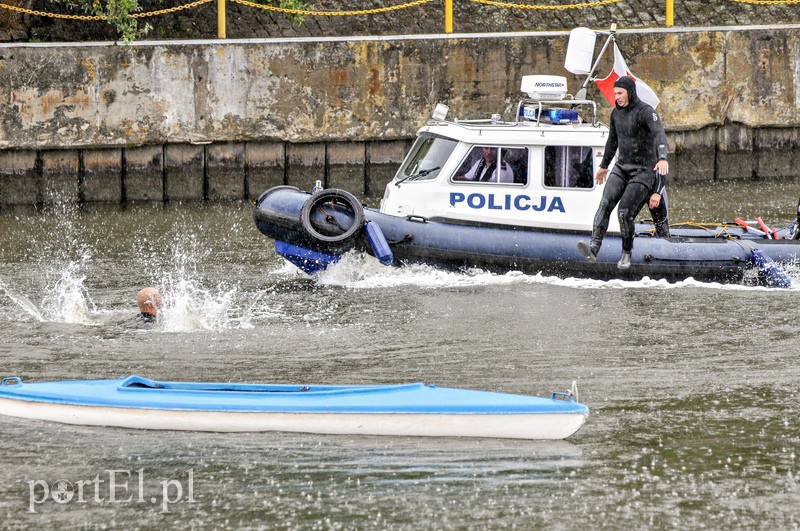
<point>294,18</point>
<point>116,12</point>
<point>119,13</point>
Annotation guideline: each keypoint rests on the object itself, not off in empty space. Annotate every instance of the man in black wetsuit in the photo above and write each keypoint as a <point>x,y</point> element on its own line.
<point>638,177</point>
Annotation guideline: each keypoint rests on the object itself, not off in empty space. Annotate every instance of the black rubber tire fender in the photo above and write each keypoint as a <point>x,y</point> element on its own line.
<point>338,198</point>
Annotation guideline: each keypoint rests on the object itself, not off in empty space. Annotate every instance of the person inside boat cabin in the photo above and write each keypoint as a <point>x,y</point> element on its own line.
<point>568,166</point>
<point>149,301</point>
<point>486,169</point>
<point>639,175</point>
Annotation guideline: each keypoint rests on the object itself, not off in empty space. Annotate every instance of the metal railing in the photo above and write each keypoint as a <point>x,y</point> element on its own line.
<point>448,10</point>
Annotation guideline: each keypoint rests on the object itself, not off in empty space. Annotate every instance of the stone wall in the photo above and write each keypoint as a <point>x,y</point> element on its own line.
<point>227,119</point>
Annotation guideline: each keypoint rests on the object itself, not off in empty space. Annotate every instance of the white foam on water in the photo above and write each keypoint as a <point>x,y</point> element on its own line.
<point>188,306</point>
<point>23,302</point>
<point>189,303</point>
<point>289,270</point>
<point>67,301</point>
<point>362,271</point>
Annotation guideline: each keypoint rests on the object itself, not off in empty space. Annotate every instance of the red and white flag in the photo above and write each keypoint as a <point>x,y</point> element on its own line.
<point>606,86</point>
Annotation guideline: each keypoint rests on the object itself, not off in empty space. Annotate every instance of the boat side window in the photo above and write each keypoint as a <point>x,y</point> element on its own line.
<point>426,158</point>
<point>481,165</point>
<point>568,167</point>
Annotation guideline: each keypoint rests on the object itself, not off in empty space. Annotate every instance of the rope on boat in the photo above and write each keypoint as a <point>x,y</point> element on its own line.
<point>573,392</point>
<point>570,394</point>
<point>712,228</point>
<point>708,227</point>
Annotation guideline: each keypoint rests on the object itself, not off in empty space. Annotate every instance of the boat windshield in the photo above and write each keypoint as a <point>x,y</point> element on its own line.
<point>426,159</point>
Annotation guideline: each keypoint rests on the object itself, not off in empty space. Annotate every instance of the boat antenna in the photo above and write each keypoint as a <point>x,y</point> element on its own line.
<point>581,94</point>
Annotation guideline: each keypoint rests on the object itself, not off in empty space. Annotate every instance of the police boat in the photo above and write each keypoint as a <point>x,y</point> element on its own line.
<point>529,217</point>
<point>412,409</point>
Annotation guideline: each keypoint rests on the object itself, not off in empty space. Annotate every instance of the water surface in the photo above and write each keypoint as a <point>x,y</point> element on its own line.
<point>692,387</point>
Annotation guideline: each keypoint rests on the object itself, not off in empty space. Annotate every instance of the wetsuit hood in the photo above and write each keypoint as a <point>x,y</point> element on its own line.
<point>630,85</point>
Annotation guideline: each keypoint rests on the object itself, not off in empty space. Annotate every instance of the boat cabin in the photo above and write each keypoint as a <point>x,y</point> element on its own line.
<point>536,170</point>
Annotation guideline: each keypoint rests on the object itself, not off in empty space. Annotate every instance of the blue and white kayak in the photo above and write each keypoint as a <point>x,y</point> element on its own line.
<point>412,409</point>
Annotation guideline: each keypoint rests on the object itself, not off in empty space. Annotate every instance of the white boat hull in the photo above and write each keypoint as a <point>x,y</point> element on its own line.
<point>539,426</point>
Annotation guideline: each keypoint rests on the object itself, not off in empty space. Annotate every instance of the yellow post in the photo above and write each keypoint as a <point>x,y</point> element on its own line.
<point>221,19</point>
<point>670,12</point>
<point>448,16</point>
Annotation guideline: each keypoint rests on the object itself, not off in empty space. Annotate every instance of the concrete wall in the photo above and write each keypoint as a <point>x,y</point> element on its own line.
<point>228,119</point>
<point>187,172</point>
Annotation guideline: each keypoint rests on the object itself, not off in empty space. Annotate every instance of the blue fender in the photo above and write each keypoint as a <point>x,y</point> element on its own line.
<point>378,243</point>
<point>773,275</point>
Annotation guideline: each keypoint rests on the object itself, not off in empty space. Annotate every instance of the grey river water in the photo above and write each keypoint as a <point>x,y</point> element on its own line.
<point>692,387</point>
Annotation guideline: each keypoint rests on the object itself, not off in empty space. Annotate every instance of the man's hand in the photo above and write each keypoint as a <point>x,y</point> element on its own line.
<point>655,199</point>
<point>600,177</point>
<point>662,167</point>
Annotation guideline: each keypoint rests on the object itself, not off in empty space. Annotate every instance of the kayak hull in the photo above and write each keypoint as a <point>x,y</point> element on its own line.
<point>393,410</point>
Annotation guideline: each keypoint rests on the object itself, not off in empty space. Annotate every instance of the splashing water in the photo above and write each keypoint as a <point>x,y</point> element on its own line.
<point>189,307</point>
<point>23,302</point>
<point>68,301</point>
<point>65,302</point>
